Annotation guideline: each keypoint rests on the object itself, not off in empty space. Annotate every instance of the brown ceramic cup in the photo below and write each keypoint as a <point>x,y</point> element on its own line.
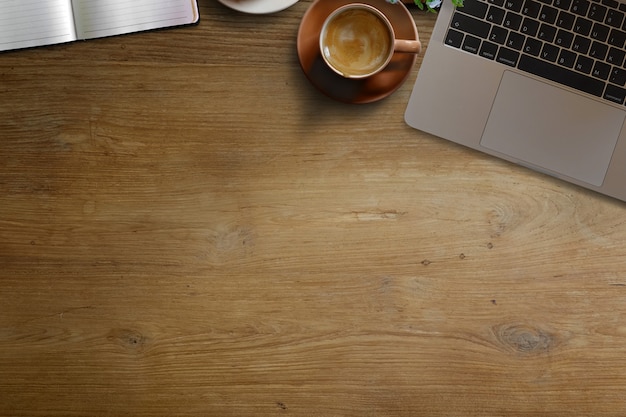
<point>357,41</point>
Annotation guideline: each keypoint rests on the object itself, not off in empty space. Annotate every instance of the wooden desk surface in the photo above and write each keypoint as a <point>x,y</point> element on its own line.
<point>189,228</point>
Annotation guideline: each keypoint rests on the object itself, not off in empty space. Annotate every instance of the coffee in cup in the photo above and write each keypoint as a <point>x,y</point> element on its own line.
<point>357,41</point>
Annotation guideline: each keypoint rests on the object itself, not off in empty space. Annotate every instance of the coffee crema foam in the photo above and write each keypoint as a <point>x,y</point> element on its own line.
<point>357,42</point>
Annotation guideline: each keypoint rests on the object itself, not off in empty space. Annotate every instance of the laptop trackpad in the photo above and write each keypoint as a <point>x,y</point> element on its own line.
<point>552,129</point>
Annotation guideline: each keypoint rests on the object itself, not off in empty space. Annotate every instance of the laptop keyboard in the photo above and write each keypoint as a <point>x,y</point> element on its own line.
<point>577,43</point>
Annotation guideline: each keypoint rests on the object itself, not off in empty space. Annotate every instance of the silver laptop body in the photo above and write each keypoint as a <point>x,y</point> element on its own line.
<point>506,78</point>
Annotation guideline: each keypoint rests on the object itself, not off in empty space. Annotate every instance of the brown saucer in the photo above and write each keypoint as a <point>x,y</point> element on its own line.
<point>361,91</point>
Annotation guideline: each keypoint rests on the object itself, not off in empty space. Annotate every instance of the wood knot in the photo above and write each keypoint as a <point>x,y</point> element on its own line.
<point>524,339</point>
<point>129,339</point>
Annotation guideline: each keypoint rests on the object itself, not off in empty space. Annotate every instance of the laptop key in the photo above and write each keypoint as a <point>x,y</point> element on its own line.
<point>616,56</point>
<point>454,38</point>
<point>598,50</point>
<point>549,52</point>
<point>584,64</point>
<point>615,94</point>
<point>567,58</point>
<point>564,38</point>
<point>533,46</point>
<point>600,32</point>
<point>597,12</point>
<point>512,21</point>
<point>581,45</point>
<point>495,15</point>
<point>617,38</point>
<point>507,56</point>
<point>601,70</point>
<point>561,75</point>
<point>488,50</point>
<point>546,33</point>
<point>471,44</point>
<point>580,7</point>
<point>562,4</point>
<point>531,8</point>
<point>614,18</point>
<point>470,25</point>
<point>565,20</point>
<point>515,41</point>
<point>474,8</point>
<point>498,35</point>
<point>529,27</point>
<point>515,5</point>
<point>618,76</point>
<point>548,14</point>
<point>583,26</point>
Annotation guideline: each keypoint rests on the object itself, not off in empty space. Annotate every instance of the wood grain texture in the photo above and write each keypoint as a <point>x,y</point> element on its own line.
<point>189,228</point>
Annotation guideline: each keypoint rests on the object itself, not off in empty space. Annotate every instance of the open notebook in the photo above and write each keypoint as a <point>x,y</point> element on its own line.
<point>28,23</point>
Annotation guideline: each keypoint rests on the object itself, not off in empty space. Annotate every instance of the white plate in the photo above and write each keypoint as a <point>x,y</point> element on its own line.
<point>258,6</point>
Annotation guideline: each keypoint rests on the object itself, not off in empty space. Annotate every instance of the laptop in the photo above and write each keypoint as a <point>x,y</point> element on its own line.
<point>541,83</point>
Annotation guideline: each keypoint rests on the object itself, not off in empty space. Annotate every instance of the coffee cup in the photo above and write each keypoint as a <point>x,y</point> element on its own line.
<point>357,41</point>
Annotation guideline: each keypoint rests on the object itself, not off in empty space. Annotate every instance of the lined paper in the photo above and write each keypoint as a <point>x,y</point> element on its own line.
<point>98,18</point>
<point>26,23</point>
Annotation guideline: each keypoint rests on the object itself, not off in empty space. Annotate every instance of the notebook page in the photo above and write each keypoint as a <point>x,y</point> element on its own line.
<point>26,23</point>
<point>99,18</point>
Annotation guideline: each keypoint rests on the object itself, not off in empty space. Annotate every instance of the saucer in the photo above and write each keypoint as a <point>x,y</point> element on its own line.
<point>258,6</point>
<point>359,91</point>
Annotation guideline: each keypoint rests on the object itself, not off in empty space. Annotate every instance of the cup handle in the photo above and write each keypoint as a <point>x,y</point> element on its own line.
<point>409,46</point>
